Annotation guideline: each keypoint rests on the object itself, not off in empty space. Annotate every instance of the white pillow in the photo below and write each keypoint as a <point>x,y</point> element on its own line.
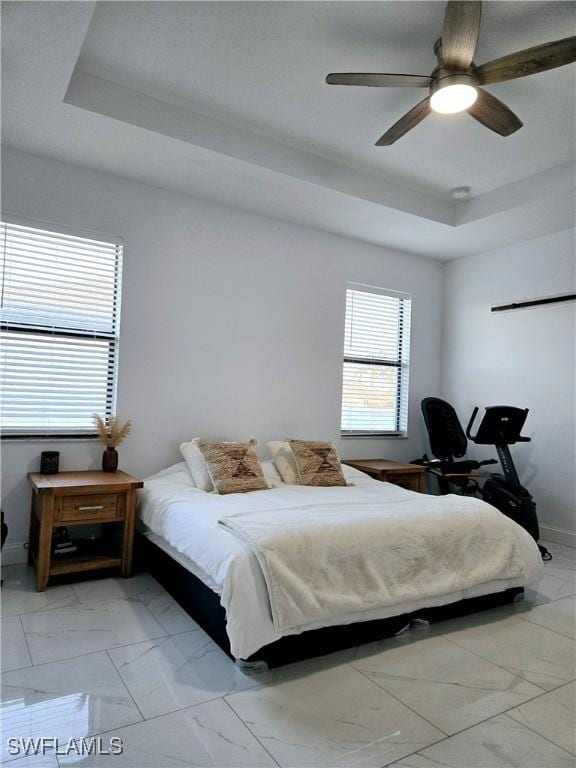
<point>196,464</point>
<point>271,474</point>
<point>284,461</point>
<point>175,469</point>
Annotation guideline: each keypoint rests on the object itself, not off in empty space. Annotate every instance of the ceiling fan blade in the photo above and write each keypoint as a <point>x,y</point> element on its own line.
<point>460,33</point>
<point>406,123</point>
<point>493,114</point>
<point>377,80</point>
<point>529,61</point>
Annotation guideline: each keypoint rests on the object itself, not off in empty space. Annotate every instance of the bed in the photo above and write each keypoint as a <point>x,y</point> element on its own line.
<point>222,581</point>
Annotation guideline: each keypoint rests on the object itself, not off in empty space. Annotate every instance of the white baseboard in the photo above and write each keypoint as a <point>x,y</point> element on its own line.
<point>14,554</point>
<point>558,535</point>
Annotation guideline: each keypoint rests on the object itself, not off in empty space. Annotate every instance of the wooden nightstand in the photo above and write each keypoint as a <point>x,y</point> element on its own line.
<point>409,476</point>
<point>78,498</point>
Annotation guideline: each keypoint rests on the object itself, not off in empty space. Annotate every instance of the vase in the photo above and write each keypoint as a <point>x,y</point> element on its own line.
<point>110,460</point>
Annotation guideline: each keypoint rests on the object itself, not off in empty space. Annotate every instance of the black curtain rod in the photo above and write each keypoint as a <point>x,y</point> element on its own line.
<point>535,302</point>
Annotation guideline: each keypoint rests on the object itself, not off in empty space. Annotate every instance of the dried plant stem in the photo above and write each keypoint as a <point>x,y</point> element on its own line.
<point>111,430</point>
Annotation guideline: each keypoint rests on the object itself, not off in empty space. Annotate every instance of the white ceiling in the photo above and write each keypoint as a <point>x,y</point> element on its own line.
<point>262,65</point>
<point>227,100</point>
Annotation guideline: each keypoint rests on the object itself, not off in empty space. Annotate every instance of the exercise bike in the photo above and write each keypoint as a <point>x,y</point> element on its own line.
<point>501,426</point>
<point>448,444</point>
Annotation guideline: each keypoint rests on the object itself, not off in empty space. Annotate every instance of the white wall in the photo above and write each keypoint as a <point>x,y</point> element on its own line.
<point>232,324</point>
<point>525,357</point>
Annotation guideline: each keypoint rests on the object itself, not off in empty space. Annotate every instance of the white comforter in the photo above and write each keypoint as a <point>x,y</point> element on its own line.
<point>184,521</point>
<point>340,557</point>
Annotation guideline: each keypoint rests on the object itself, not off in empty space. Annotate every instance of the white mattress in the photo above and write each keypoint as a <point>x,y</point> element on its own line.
<point>183,521</point>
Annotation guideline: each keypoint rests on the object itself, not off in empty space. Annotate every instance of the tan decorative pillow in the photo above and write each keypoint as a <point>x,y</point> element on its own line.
<point>317,462</point>
<point>233,467</point>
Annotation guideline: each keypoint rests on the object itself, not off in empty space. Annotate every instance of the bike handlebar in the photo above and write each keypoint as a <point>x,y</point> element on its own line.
<point>469,427</point>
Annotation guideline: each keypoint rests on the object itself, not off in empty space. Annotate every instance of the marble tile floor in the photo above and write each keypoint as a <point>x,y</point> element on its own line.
<point>113,661</point>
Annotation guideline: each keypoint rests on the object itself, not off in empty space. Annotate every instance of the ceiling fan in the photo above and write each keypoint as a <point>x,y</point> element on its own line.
<point>454,83</point>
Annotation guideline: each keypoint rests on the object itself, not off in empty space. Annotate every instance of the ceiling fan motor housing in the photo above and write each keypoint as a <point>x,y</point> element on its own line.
<point>452,91</point>
<point>442,77</point>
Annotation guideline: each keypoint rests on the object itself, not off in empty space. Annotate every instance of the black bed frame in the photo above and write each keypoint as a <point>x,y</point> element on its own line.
<point>203,605</point>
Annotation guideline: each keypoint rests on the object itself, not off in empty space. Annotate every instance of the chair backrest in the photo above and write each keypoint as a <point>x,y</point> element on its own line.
<point>447,438</point>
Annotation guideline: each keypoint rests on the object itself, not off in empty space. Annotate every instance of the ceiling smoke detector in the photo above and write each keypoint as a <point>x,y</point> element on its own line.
<point>460,193</point>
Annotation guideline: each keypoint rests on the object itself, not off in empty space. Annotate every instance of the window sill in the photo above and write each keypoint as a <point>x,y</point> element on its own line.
<point>374,437</point>
<point>7,439</point>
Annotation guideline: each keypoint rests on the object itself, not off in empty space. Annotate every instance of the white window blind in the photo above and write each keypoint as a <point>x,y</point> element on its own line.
<point>59,320</point>
<point>376,362</point>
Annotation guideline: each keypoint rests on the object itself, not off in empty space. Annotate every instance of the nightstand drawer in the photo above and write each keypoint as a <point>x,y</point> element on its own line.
<point>89,507</point>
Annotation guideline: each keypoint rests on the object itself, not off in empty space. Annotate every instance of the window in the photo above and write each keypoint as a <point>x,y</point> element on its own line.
<point>59,322</point>
<point>376,356</point>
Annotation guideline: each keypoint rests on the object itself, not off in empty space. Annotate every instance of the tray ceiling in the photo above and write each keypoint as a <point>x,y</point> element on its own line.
<point>187,94</point>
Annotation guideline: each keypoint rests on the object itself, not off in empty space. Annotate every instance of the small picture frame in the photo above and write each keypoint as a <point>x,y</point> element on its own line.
<point>49,462</point>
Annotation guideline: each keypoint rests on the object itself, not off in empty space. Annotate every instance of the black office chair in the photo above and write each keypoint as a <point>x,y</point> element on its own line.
<point>448,443</point>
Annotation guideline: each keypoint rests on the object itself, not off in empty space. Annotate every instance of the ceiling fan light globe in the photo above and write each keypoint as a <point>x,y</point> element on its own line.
<point>451,99</point>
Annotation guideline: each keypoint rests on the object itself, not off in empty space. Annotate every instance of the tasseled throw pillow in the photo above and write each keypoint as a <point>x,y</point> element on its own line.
<point>233,467</point>
<point>317,462</point>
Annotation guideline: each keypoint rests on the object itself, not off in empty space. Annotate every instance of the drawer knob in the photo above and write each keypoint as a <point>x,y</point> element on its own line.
<point>90,509</point>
